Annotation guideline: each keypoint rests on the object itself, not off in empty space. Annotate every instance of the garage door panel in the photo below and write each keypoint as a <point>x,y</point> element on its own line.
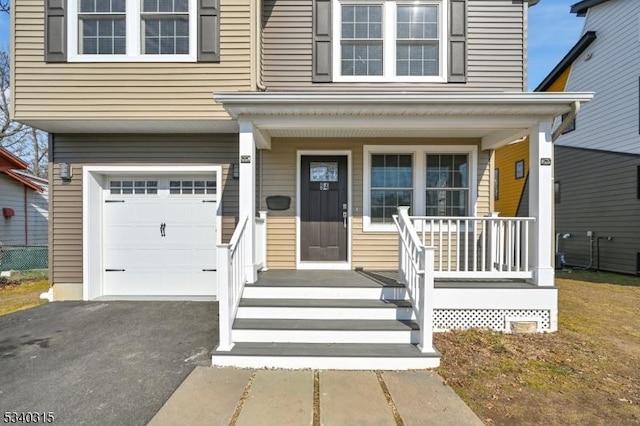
<point>196,259</point>
<point>132,258</point>
<point>190,234</point>
<point>133,211</point>
<point>131,235</point>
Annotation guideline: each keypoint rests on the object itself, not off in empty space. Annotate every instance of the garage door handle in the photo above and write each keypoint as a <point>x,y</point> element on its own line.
<point>114,270</point>
<point>162,228</point>
<point>209,270</point>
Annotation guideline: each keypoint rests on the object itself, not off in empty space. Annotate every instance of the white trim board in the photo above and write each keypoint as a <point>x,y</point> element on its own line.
<point>325,265</point>
<point>94,179</point>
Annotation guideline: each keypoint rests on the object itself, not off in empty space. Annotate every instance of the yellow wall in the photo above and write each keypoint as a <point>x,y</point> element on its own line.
<point>509,188</point>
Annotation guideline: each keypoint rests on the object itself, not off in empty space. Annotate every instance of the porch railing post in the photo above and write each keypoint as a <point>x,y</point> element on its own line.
<point>403,217</point>
<point>493,242</point>
<point>426,262</point>
<point>224,298</point>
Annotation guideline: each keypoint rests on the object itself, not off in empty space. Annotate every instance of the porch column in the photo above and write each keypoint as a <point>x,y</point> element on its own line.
<point>541,203</point>
<point>247,194</point>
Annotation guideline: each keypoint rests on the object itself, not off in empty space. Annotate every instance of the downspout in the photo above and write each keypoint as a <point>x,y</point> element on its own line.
<point>259,83</point>
<point>26,219</point>
<point>575,109</point>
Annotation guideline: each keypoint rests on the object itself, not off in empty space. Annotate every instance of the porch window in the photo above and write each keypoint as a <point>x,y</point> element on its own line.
<point>447,185</point>
<point>391,185</point>
<point>433,180</point>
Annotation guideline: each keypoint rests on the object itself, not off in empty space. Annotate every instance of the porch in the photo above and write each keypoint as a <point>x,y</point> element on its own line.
<point>459,264</point>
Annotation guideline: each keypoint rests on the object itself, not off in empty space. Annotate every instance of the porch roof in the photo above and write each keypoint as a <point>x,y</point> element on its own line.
<point>496,117</point>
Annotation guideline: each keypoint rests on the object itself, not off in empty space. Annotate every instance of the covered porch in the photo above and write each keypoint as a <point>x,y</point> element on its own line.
<point>472,268</point>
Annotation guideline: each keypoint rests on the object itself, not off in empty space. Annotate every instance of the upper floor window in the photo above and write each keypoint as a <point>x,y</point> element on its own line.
<point>389,40</point>
<point>132,30</point>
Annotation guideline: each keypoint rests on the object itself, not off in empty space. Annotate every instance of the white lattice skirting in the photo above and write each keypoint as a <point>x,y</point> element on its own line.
<point>495,319</point>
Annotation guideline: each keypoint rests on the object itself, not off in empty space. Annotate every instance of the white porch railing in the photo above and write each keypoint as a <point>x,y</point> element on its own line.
<point>261,241</point>
<point>477,247</point>
<point>231,280</point>
<point>415,270</point>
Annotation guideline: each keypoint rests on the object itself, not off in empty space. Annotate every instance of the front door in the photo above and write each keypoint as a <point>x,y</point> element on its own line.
<point>323,208</point>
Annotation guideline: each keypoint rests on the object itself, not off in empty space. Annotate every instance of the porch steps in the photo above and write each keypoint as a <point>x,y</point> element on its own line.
<point>323,320</point>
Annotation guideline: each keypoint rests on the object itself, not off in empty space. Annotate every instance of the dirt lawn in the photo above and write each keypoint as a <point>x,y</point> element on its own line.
<point>21,295</point>
<point>588,373</point>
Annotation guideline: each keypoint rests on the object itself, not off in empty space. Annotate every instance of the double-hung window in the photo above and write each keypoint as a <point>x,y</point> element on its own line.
<point>388,40</point>
<point>432,180</point>
<point>132,30</point>
<point>102,27</point>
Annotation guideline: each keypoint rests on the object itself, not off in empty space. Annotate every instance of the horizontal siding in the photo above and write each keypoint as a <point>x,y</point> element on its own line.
<point>126,90</point>
<point>79,150</point>
<point>599,193</point>
<point>496,41</point>
<point>38,216</point>
<point>511,189</point>
<point>12,196</point>
<point>611,121</point>
<point>371,250</point>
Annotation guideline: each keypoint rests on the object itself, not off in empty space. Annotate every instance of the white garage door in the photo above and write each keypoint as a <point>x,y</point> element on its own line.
<point>160,236</point>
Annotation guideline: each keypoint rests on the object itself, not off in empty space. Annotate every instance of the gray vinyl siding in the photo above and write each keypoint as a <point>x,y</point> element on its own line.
<point>610,67</point>
<point>38,216</point>
<point>12,196</point>
<point>599,193</point>
<point>12,230</point>
<point>496,44</point>
<point>79,150</point>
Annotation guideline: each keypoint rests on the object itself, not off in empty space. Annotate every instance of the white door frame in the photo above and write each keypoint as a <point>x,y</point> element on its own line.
<point>323,265</point>
<point>93,184</point>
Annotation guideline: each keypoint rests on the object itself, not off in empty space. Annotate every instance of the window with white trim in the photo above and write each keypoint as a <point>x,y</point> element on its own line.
<point>391,185</point>
<point>433,180</point>
<point>132,30</point>
<point>447,189</point>
<point>387,40</point>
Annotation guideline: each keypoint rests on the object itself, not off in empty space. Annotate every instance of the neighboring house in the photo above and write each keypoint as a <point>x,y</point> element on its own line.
<point>173,124</point>
<point>597,158</point>
<point>23,204</point>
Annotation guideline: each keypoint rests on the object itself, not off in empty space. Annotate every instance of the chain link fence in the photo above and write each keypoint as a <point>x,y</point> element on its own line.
<point>23,258</point>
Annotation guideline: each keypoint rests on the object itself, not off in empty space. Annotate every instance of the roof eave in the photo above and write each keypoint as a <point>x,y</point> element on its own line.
<point>567,61</point>
<point>581,8</point>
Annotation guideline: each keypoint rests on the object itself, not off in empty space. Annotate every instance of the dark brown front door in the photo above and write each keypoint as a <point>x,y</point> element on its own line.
<point>323,208</point>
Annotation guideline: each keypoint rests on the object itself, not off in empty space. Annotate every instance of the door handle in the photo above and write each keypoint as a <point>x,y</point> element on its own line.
<point>162,228</point>
<point>344,219</point>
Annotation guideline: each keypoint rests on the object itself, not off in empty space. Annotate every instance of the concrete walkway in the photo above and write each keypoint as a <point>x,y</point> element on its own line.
<point>226,396</point>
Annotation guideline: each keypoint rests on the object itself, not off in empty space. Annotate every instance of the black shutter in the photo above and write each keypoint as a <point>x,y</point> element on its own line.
<point>55,31</point>
<point>208,30</point>
<point>457,41</point>
<point>322,64</point>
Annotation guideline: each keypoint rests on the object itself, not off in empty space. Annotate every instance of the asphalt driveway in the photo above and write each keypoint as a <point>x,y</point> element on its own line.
<point>111,363</point>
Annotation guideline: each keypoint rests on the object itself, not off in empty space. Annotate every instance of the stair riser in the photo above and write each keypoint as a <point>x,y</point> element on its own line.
<point>392,293</point>
<point>325,336</point>
<point>326,313</point>
<point>327,363</point>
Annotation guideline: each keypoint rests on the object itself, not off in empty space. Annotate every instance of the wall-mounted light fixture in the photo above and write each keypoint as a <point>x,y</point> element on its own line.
<point>235,170</point>
<point>66,172</point>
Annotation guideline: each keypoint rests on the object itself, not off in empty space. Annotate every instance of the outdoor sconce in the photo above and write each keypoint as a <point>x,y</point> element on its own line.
<point>66,172</point>
<point>235,170</point>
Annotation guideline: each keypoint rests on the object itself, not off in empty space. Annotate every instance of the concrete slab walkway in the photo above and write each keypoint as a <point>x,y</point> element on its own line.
<point>226,396</point>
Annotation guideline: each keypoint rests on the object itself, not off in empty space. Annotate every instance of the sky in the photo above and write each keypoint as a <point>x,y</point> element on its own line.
<point>552,32</point>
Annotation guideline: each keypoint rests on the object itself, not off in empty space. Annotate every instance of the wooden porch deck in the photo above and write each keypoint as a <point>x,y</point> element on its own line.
<point>361,278</point>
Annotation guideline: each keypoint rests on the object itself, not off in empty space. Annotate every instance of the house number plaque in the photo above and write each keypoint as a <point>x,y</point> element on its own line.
<point>245,158</point>
<point>545,161</point>
<point>324,186</point>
